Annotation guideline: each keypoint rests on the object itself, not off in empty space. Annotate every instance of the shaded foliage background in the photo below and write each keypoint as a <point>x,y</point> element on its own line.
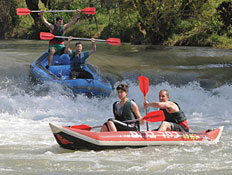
<point>8,18</point>
<point>163,22</point>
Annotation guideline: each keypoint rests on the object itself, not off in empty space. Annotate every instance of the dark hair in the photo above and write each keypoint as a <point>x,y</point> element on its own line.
<point>78,43</point>
<point>59,18</point>
<point>122,87</point>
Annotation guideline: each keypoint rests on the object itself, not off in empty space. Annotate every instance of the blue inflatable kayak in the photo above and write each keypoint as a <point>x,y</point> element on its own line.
<point>59,72</point>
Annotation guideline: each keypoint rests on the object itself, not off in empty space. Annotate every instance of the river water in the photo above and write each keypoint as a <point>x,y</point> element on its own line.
<point>199,79</point>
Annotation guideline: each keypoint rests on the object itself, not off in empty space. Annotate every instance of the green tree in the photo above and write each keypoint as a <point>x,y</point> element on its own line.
<point>225,15</point>
<point>158,18</point>
<point>8,18</point>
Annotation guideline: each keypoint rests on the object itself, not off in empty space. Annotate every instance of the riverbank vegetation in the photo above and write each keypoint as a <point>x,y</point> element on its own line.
<point>158,22</point>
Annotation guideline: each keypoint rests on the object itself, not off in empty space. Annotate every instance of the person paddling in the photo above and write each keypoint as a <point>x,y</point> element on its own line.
<point>123,110</point>
<point>56,45</point>
<point>175,119</point>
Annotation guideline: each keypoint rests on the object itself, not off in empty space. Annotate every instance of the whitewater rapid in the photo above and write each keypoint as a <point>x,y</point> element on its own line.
<point>28,147</point>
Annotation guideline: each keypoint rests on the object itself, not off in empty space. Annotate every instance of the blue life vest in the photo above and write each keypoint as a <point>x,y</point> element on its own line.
<point>77,62</point>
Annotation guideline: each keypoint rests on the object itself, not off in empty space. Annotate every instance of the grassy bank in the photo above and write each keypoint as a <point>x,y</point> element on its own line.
<point>169,23</point>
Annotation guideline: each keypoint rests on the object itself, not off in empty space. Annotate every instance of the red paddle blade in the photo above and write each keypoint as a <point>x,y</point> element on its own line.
<point>114,41</point>
<point>144,84</point>
<point>46,36</point>
<point>23,11</point>
<point>155,116</point>
<point>89,10</point>
<point>82,127</point>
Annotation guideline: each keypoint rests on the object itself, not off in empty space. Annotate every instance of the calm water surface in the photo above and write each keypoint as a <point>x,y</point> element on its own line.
<point>199,79</point>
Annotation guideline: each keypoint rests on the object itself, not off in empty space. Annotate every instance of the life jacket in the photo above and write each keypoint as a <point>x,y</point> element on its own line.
<point>127,113</point>
<point>57,32</point>
<point>177,117</point>
<point>77,62</point>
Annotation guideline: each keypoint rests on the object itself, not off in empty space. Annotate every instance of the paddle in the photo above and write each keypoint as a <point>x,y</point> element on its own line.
<point>144,87</point>
<point>87,10</point>
<point>49,36</point>
<point>154,116</point>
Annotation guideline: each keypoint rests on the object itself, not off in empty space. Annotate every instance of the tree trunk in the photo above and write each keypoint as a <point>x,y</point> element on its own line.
<point>33,5</point>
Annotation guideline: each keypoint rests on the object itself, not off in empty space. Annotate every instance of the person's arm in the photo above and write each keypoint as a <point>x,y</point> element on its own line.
<point>135,109</point>
<point>147,104</point>
<point>163,105</point>
<point>46,23</point>
<point>73,20</point>
<point>67,50</point>
<point>168,105</point>
<point>93,47</point>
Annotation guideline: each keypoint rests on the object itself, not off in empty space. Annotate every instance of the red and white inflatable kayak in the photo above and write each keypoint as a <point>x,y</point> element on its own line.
<point>75,139</point>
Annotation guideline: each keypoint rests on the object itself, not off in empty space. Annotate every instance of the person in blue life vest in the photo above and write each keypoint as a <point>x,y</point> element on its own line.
<point>124,110</point>
<point>175,119</point>
<point>56,45</point>
<point>77,59</point>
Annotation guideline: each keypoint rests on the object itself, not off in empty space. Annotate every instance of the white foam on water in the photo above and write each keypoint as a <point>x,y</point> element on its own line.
<point>25,133</point>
